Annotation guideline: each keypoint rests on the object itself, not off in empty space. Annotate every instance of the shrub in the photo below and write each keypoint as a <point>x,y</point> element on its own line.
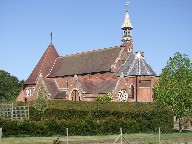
<point>92,118</point>
<point>105,98</point>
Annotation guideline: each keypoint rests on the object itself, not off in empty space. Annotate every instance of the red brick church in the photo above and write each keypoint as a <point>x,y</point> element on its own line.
<point>87,75</point>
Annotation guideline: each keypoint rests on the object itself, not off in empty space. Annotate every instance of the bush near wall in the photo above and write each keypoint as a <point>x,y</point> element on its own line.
<point>93,118</point>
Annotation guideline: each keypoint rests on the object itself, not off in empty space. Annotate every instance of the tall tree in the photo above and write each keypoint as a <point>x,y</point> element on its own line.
<point>10,86</point>
<point>174,87</point>
<point>41,103</point>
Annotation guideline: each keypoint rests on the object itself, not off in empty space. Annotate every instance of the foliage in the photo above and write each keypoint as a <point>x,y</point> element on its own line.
<point>174,87</point>
<point>87,126</point>
<point>10,86</point>
<point>91,118</point>
<point>107,98</point>
<point>41,103</point>
<point>107,118</point>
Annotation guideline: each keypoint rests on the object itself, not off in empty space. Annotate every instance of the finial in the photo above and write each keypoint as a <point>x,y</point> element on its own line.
<point>51,37</point>
<point>127,4</point>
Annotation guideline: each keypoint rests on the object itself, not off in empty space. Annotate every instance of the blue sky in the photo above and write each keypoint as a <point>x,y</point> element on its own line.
<point>161,28</point>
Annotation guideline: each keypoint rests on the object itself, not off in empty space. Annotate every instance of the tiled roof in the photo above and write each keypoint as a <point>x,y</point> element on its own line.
<point>99,86</point>
<point>44,65</point>
<point>52,88</point>
<point>84,63</point>
<point>135,65</point>
<point>60,95</point>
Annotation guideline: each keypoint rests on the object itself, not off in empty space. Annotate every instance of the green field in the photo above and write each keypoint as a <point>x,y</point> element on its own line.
<point>175,138</point>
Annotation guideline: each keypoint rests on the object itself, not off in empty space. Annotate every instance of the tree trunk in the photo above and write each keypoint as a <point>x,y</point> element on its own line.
<point>181,123</point>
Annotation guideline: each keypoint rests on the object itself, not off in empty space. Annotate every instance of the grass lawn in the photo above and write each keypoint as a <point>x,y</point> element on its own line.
<point>130,138</point>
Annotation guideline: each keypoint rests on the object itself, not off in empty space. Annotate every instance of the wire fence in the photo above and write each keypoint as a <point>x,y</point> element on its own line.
<point>120,139</point>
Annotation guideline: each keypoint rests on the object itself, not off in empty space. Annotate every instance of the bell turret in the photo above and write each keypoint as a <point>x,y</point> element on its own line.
<point>127,27</point>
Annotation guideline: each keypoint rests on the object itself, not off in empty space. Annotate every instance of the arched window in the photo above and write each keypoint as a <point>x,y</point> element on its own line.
<point>27,92</point>
<point>132,91</point>
<point>30,91</point>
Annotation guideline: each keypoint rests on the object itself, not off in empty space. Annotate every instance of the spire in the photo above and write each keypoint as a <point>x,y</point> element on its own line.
<point>51,37</point>
<point>127,23</point>
<point>127,27</point>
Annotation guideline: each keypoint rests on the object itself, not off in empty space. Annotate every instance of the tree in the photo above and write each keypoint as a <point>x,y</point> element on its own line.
<point>10,86</point>
<point>41,103</point>
<point>174,87</point>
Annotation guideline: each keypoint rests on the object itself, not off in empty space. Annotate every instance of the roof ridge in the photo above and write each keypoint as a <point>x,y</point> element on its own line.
<point>91,51</point>
<point>52,67</point>
<point>145,62</point>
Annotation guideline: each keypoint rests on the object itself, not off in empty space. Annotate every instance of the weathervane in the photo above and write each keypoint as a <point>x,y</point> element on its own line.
<point>51,37</point>
<point>127,4</point>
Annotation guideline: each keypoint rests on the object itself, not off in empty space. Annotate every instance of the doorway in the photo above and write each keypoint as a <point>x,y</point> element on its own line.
<point>75,96</point>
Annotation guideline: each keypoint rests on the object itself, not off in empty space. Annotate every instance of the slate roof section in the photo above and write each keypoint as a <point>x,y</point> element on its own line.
<point>86,62</point>
<point>135,65</point>
<point>44,65</point>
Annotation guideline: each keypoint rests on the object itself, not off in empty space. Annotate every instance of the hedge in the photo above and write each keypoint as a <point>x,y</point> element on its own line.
<point>69,110</point>
<point>92,118</point>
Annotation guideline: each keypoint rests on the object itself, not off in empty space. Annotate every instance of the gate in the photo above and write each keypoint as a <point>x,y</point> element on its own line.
<point>9,111</point>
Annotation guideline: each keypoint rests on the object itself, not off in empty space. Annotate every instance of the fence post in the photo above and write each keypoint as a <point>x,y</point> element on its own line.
<point>1,133</point>
<point>67,134</point>
<point>159,135</point>
<point>121,135</point>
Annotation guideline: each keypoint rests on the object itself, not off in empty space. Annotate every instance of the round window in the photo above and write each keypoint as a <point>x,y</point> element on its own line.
<point>122,95</point>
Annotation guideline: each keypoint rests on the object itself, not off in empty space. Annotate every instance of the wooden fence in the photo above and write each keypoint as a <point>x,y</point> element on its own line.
<point>9,111</point>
